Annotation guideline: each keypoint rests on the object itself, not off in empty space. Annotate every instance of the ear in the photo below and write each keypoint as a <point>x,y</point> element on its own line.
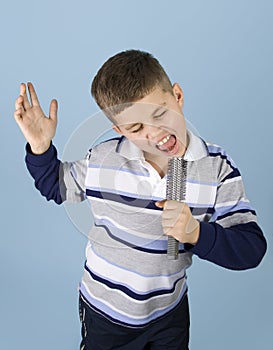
<point>116,129</point>
<point>178,94</point>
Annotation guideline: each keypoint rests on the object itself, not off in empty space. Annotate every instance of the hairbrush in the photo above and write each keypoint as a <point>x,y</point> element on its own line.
<point>175,190</point>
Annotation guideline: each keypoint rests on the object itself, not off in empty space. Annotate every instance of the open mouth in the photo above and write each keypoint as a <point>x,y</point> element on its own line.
<point>167,144</point>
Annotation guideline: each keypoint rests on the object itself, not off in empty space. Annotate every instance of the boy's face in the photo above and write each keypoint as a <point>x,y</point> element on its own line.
<point>155,124</point>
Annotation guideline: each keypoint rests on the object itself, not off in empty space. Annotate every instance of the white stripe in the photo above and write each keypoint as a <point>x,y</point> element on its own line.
<point>132,184</point>
<point>121,193</point>
<point>196,194</point>
<point>201,195</point>
<point>124,208</point>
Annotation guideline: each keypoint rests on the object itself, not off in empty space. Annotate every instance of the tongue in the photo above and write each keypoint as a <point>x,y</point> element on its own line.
<point>168,146</point>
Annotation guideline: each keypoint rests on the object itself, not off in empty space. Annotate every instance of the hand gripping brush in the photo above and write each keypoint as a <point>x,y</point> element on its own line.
<point>175,190</point>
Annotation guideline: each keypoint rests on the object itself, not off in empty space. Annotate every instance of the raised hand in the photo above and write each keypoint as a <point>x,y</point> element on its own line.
<point>37,128</point>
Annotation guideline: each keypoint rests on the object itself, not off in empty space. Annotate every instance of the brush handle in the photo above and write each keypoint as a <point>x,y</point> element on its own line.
<point>175,190</point>
<point>173,248</point>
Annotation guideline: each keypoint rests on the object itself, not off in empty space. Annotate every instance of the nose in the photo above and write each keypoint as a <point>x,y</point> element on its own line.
<point>150,132</point>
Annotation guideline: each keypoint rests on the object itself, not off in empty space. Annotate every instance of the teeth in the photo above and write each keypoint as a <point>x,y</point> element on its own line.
<point>162,142</point>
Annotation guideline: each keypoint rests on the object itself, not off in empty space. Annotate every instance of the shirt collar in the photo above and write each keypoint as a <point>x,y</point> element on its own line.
<point>128,149</point>
<point>196,149</point>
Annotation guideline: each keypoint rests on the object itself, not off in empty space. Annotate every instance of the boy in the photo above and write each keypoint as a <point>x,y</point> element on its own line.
<point>131,295</point>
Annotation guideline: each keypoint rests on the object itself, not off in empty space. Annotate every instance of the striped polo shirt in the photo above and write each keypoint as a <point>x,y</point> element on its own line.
<point>127,275</point>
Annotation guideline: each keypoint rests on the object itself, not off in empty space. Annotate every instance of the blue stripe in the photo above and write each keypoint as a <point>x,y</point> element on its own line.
<point>153,251</point>
<point>122,193</point>
<point>141,248</point>
<point>233,208</point>
<point>215,151</point>
<point>233,174</point>
<point>197,211</point>
<point>205,207</point>
<point>129,292</point>
<point>73,172</point>
<point>121,139</point>
<point>143,203</point>
<point>88,269</point>
<point>131,201</point>
<point>133,239</point>
<point>243,211</point>
<point>223,157</point>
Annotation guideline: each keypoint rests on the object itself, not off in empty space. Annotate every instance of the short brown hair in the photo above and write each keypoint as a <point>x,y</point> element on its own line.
<point>126,78</point>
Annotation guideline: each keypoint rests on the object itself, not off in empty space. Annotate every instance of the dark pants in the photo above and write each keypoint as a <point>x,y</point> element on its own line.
<point>168,333</point>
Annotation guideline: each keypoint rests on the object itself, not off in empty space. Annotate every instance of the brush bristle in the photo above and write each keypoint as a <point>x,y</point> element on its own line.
<point>176,179</point>
<point>175,190</point>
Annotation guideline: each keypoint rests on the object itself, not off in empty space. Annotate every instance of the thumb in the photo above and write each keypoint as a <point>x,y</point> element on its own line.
<point>160,204</point>
<point>53,109</point>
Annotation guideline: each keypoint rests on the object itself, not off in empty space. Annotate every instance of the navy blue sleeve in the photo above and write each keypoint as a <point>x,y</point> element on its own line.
<point>45,170</point>
<point>239,247</point>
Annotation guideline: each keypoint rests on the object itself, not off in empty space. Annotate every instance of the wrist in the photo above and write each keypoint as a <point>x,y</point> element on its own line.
<point>193,235</point>
<point>40,149</point>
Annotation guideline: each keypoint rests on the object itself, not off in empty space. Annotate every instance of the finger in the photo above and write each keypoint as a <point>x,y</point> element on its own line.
<point>174,205</point>
<point>23,93</point>
<point>168,224</point>
<point>19,103</point>
<point>160,204</point>
<point>169,221</point>
<point>18,115</point>
<point>171,216</point>
<point>33,96</point>
<point>168,231</point>
<point>169,205</point>
<point>53,110</point>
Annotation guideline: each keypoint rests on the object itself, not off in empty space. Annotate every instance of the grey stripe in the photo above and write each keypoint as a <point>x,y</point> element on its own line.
<point>134,260</point>
<point>237,218</point>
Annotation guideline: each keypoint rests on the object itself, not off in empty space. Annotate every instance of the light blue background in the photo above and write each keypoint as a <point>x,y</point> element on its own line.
<point>221,52</point>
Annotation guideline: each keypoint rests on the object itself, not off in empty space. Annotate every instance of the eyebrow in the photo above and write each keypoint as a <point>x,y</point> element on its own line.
<point>152,115</point>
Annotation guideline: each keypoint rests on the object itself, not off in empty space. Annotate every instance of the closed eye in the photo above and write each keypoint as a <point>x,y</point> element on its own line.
<point>138,129</point>
<point>160,115</point>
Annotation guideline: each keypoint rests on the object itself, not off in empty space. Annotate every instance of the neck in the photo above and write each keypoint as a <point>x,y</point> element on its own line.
<point>160,164</point>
